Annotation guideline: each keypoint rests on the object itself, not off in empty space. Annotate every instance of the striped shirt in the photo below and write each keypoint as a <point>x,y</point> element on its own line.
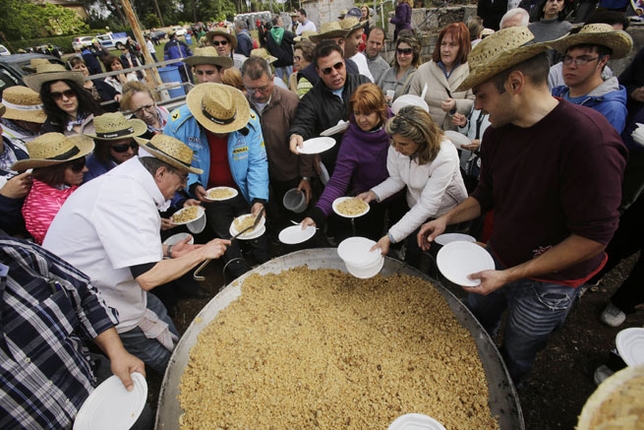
<point>46,307</point>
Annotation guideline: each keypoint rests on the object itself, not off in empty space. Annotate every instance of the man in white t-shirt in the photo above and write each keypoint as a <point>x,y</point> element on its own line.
<point>305,23</point>
<point>109,229</point>
<point>352,42</point>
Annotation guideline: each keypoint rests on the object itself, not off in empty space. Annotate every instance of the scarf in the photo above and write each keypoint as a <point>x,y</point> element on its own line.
<point>278,34</point>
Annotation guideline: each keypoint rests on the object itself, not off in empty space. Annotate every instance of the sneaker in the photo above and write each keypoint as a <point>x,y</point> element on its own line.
<point>601,374</point>
<point>612,316</point>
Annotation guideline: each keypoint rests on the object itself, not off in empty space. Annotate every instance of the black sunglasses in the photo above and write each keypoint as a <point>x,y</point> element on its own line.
<point>220,42</point>
<point>405,51</point>
<point>67,93</point>
<point>337,66</point>
<point>77,165</point>
<point>123,147</point>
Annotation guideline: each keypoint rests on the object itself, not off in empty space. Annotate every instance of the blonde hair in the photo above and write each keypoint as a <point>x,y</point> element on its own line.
<point>232,76</point>
<point>415,124</point>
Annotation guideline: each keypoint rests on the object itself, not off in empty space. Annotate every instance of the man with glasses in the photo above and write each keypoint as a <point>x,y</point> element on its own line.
<point>110,232</point>
<point>225,44</point>
<point>276,108</point>
<point>207,65</point>
<point>586,55</point>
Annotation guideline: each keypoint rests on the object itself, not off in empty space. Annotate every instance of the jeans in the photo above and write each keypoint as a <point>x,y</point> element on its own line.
<point>150,351</point>
<point>284,72</point>
<point>535,309</point>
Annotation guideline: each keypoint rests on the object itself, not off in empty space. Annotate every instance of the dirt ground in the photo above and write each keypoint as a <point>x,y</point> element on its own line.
<point>561,381</point>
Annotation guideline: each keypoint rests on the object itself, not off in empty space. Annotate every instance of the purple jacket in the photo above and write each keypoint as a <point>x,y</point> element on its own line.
<point>402,17</point>
<point>361,165</point>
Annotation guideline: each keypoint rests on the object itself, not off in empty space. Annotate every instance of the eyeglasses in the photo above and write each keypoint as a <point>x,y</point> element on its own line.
<point>123,147</point>
<point>68,94</point>
<point>579,61</point>
<point>337,66</point>
<point>257,90</point>
<point>184,178</point>
<point>77,165</point>
<point>404,51</point>
<point>220,42</point>
<point>148,108</point>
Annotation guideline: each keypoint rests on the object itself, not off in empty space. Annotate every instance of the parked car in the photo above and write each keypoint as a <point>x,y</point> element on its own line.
<point>109,40</point>
<point>179,31</point>
<point>44,49</point>
<point>4,50</point>
<point>156,36</point>
<point>78,43</point>
<point>14,67</point>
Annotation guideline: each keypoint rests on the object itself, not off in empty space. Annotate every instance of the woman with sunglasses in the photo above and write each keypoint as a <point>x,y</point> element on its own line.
<point>361,162</point>
<point>398,78</point>
<point>443,74</point>
<point>58,164</point>
<point>70,109</point>
<point>116,141</point>
<point>137,98</point>
<point>422,160</point>
<point>100,90</point>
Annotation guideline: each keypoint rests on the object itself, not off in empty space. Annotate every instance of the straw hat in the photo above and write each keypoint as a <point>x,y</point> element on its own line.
<point>351,23</point>
<point>114,126</point>
<point>54,148</point>
<point>329,30</point>
<point>22,104</point>
<point>232,39</point>
<point>618,41</point>
<point>263,53</point>
<point>343,12</point>
<point>219,108</point>
<point>33,64</point>
<point>51,72</point>
<point>499,52</point>
<point>208,55</point>
<point>305,35</point>
<point>172,151</point>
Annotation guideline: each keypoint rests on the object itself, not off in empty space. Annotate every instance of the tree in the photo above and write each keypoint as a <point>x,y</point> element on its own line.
<point>26,20</point>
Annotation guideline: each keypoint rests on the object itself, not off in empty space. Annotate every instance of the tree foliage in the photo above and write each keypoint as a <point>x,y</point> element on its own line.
<point>25,20</point>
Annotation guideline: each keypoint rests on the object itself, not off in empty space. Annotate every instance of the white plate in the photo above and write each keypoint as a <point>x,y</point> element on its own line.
<point>457,260</point>
<point>339,128</point>
<point>356,251</point>
<point>630,344</point>
<point>110,406</point>
<point>457,138</point>
<point>234,194</point>
<point>200,210</point>
<point>339,200</point>
<point>316,145</point>
<point>176,238</point>
<point>253,234</point>
<point>446,238</point>
<point>294,234</point>
<point>358,272</point>
<point>415,422</point>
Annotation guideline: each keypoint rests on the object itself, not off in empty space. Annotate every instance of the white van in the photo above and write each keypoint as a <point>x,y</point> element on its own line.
<point>4,50</point>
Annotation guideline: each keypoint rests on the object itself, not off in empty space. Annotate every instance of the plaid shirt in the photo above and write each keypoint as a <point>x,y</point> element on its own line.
<point>46,306</point>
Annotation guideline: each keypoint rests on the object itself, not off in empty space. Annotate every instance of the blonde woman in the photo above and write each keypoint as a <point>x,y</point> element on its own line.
<point>398,78</point>
<point>423,160</point>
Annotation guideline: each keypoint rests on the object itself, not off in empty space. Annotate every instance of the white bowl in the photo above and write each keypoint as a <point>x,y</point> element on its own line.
<point>359,260</point>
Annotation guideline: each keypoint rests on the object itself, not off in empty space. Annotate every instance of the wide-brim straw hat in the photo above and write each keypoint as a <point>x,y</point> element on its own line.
<point>618,41</point>
<point>172,151</point>
<point>114,126</point>
<point>499,52</point>
<point>22,104</point>
<point>305,35</point>
<point>54,148</point>
<point>329,30</point>
<point>51,72</point>
<point>219,108</point>
<point>263,53</point>
<point>352,23</point>
<point>208,55</point>
<point>232,39</point>
<point>33,64</point>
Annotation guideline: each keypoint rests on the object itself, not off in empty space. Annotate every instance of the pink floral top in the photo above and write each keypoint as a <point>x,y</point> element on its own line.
<point>41,206</point>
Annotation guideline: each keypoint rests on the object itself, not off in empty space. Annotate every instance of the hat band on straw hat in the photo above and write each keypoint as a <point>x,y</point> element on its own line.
<point>21,107</point>
<point>65,155</point>
<point>218,120</point>
<point>183,163</point>
<point>113,134</point>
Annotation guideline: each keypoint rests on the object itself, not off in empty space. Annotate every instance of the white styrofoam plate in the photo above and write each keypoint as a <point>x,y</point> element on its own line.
<point>457,260</point>
<point>630,345</point>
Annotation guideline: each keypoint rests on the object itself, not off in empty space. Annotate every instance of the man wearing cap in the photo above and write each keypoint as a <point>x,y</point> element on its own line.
<point>226,137</point>
<point>110,231</point>
<point>552,172</point>
<point>279,43</point>
<point>353,39</point>
<point>586,55</point>
<point>375,42</point>
<point>207,65</point>
<point>326,103</point>
<point>24,115</point>
<point>276,108</point>
<point>173,49</point>
<point>244,39</point>
<point>305,23</point>
<point>225,43</point>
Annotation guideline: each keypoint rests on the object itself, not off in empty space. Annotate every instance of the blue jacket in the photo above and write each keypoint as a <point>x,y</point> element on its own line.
<point>246,153</point>
<point>609,99</point>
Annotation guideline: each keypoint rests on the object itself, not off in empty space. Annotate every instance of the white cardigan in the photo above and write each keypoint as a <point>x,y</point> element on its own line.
<point>432,189</point>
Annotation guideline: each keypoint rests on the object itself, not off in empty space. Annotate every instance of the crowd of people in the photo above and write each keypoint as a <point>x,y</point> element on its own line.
<point>88,192</point>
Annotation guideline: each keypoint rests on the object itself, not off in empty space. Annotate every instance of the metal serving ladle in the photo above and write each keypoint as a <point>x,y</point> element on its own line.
<point>197,277</point>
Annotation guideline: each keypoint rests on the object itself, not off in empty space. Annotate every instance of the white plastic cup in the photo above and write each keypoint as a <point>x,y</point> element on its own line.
<point>390,94</point>
<point>295,200</point>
